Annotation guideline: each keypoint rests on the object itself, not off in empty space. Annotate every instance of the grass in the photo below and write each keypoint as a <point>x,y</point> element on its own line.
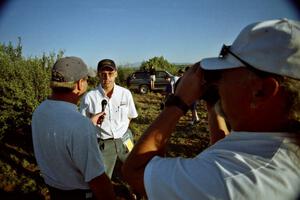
<point>20,177</point>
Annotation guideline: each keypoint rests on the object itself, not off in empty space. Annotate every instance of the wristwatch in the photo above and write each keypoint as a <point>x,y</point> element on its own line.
<point>173,100</point>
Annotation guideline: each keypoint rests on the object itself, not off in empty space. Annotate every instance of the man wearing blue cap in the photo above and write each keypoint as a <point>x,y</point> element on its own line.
<point>258,82</point>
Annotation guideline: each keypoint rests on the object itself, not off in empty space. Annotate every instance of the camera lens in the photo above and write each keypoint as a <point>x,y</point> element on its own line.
<point>212,75</point>
<point>211,94</point>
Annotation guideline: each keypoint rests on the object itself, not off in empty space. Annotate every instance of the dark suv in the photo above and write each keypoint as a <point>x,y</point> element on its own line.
<point>140,81</point>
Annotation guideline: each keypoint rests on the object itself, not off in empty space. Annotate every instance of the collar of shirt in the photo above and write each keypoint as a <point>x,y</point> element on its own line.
<point>102,91</point>
<point>64,104</point>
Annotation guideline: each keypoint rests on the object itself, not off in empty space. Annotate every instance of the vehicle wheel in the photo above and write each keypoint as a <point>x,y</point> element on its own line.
<point>144,89</point>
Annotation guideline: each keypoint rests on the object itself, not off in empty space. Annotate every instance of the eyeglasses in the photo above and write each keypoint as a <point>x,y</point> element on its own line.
<point>226,50</point>
<point>106,73</point>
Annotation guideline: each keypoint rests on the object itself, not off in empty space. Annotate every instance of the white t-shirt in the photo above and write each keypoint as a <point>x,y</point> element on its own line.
<point>120,108</point>
<point>241,166</point>
<point>65,146</point>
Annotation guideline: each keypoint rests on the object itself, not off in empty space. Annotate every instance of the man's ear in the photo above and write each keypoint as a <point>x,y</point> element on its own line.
<point>80,85</point>
<point>270,86</point>
<point>267,88</point>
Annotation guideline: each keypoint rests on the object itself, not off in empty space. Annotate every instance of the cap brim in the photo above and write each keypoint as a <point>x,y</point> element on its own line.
<point>55,84</point>
<point>217,63</point>
<point>108,66</point>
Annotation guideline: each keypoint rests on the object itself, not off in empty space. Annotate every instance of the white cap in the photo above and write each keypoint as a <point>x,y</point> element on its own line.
<point>271,46</point>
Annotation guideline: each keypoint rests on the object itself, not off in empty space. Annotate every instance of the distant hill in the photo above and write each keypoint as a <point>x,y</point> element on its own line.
<point>138,64</point>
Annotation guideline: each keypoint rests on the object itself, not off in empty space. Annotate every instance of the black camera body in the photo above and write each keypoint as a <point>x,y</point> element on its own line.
<point>211,93</point>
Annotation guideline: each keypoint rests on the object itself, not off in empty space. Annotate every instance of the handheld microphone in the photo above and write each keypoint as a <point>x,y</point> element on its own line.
<point>103,104</point>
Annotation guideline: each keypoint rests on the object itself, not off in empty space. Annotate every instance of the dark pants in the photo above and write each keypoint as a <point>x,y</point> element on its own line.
<point>58,194</point>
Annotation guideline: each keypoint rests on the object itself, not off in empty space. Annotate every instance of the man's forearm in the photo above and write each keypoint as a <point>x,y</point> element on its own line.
<point>154,140</point>
<point>157,135</point>
<point>152,143</point>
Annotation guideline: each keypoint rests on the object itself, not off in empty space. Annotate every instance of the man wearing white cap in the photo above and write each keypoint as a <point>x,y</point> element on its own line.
<point>258,82</point>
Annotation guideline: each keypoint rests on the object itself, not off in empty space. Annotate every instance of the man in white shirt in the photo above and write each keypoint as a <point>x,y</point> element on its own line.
<point>65,143</point>
<point>115,138</point>
<point>259,88</point>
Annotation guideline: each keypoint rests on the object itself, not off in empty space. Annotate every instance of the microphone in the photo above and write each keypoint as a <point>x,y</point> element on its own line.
<point>103,104</point>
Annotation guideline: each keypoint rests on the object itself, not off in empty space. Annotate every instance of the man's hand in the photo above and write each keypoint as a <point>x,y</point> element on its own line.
<point>98,118</point>
<point>190,87</point>
<point>102,187</point>
<point>216,123</point>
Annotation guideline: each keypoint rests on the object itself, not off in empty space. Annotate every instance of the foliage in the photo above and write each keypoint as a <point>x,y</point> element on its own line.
<point>93,82</point>
<point>15,53</point>
<point>157,63</point>
<point>24,83</point>
<point>123,74</point>
<point>174,69</point>
<point>160,63</point>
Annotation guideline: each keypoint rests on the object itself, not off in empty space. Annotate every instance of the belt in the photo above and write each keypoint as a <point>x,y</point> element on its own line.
<point>77,194</point>
<point>108,139</point>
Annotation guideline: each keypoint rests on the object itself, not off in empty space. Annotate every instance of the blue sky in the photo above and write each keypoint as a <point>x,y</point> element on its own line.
<point>129,31</point>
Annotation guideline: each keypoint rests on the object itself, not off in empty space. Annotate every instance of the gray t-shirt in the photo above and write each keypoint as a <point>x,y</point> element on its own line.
<point>65,145</point>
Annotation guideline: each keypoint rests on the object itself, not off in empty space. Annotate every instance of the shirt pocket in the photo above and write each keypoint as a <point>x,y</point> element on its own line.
<point>123,112</point>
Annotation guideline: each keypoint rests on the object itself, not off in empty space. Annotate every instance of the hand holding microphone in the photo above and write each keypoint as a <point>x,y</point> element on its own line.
<point>103,104</point>
<point>99,117</point>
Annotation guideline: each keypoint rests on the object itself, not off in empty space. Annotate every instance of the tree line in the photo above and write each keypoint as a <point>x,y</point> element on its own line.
<point>24,83</point>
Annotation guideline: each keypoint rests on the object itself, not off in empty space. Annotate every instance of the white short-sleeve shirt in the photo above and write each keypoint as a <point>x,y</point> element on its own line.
<point>241,166</point>
<point>119,110</point>
<point>65,146</point>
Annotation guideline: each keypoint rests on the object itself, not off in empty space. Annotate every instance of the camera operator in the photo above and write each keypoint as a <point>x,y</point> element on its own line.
<point>258,82</point>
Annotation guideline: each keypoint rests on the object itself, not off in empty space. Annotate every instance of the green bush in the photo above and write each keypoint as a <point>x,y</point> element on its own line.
<point>157,63</point>
<point>160,63</point>
<point>123,73</point>
<point>24,83</point>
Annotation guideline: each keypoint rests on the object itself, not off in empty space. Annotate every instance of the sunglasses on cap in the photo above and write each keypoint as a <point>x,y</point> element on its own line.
<point>211,76</point>
<point>226,50</point>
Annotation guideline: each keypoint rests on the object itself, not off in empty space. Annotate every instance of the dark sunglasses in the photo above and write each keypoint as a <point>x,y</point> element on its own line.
<point>226,50</point>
